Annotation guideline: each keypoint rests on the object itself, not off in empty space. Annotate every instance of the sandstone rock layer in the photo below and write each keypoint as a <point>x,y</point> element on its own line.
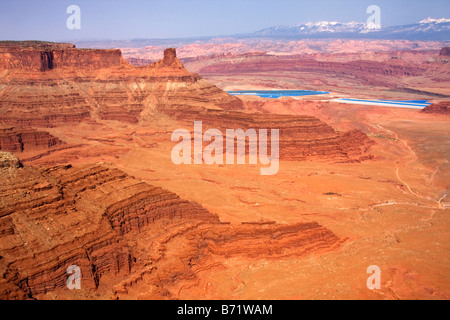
<point>78,89</point>
<point>119,230</point>
<point>18,139</point>
<point>73,85</point>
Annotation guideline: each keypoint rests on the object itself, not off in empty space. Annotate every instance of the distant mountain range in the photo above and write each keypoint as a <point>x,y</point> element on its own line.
<point>427,29</point>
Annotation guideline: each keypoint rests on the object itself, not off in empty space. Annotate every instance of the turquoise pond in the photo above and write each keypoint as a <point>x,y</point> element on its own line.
<point>276,93</point>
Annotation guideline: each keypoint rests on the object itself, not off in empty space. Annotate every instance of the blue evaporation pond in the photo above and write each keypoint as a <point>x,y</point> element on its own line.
<point>391,103</point>
<point>276,93</point>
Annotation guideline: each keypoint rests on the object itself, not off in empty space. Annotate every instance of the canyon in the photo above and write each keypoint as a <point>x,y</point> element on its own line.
<point>120,232</point>
<point>383,75</point>
<point>382,69</point>
<point>87,177</point>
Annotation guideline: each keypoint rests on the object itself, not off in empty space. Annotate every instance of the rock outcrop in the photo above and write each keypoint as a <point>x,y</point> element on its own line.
<point>300,137</point>
<point>440,107</point>
<point>48,87</point>
<point>44,56</point>
<point>20,139</point>
<point>9,160</point>
<point>72,91</point>
<point>119,230</point>
<point>123,233</point>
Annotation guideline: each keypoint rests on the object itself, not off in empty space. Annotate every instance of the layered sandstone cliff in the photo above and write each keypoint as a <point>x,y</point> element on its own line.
<point>19,139</point>
<point>97,85</point>
<point>9,161</point>
<point>44,56</point>
<point>445,52</point>
<point>47,87</point>
<point>300,137</point>
<point>317,63</point>
<point>441,107</point>
<point>119,231</point>
<point>352,73</point>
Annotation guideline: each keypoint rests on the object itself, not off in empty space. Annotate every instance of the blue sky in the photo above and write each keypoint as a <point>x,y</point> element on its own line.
<point>120,19</point>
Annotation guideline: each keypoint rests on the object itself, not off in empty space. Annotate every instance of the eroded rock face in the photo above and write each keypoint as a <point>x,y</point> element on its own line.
<point>45,56</point>
<point>336,71</point>
<point>84,85</point>
<point>300,137</point>
<point>445,52</point>
<point>128,237</point>
<point>305,64</point>
<point>69,216</point>
<point>19,139</point>
<point>119,230</point>
<point>130,94</point>
<point>169,56</point>
<point>441,107</point>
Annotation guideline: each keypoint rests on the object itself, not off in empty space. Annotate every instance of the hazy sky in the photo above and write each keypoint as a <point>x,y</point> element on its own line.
<point>120,19</point>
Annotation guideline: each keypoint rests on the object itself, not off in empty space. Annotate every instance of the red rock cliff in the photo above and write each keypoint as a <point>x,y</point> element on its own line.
<point>441,107</point>
<point>118,230</point>
<point>18,139</point>
<point>36,56</point>
<point>445,52</point>
<point>47,87</point>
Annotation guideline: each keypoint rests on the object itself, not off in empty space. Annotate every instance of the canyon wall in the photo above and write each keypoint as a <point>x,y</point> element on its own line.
<point>269,63</point>
<point>119,230</point>
<point>445,51</point>
<point>38,56</point>
<point>19,139</point>
<point>300,137</point>
<point>73,85</point>
<point>121,92</point>
<point>419,73</point>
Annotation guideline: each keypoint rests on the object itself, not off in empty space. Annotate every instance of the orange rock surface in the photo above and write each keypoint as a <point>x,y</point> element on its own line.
<point>86,85</point>
<point>357,186</point>
<point>19,139</point>
<point>413,74</point>
<point>119,230</point>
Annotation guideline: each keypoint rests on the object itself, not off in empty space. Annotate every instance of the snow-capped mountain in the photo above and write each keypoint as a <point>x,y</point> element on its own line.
<point>427,29</point>
<point>315,28</point>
